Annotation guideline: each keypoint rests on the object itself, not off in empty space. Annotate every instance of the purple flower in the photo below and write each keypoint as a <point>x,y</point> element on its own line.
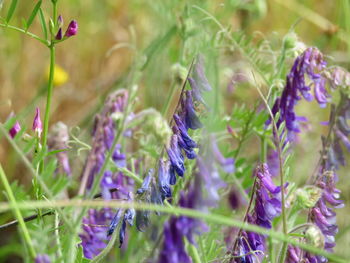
<point>191,119</point>
<point>37,125</point>
<point>15,129</point>
<point>58,140</point>
<point>227,164</point>
<point>72,29</point>
<point>128,217</point>
<point>294,254</point>
<point>310,64</point>
<point>103,136</point>
<point>267,207</point>
<point>42,258</point>
<point>173,249</point>
<point>202,194</point>
<point>176,158</point>
<point>323,214</point>
<point>199,75</point>
<point>94,237</point>
<point>164,179</point>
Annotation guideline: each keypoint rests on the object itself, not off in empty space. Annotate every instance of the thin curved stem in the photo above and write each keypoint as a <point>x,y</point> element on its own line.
<point>43,41</point>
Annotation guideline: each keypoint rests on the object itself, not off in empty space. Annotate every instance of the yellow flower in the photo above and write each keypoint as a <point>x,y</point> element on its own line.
<point>61,76</point>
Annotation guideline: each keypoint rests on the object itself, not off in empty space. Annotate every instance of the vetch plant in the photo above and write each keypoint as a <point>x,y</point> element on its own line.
<point>196,153</point>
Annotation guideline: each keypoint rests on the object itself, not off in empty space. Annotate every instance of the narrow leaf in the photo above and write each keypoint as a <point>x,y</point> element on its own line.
<point>33,14</point>
<point>11,10</point>
<point>42,22</point>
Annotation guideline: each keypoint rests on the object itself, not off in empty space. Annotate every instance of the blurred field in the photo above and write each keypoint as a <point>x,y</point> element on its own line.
<point>111,33</point>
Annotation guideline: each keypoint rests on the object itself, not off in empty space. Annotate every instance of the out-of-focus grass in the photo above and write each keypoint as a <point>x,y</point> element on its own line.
<point>94,63</point>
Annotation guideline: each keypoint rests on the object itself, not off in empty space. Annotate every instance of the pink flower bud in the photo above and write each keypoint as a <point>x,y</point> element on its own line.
<point>37,125</point>
<point>72,29</point>
<point>60,21</point>
<point>15,129</point>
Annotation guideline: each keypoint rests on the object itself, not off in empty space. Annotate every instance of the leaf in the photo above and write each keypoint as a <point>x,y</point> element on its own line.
<point>33,14</point>
<point>42,22</point>
<point>11,10</point>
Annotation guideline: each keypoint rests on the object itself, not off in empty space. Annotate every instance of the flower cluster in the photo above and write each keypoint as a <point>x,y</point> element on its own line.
<point>202,194</point>
<point>71,30</point>
<point>309,64</point>
<point>323,214</point>
<point>94,236</point>
<point>186,118</point>
<point>267,206</point>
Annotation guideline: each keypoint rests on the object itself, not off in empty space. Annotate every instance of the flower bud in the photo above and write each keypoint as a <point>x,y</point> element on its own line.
<point>37,125</point>
<point>59,35</point>
<point>315,237</point>
<point>308,196</point>
<point>72,29</point>
<point>15,129</point>
<point>60,21</point>
<point>179,72</point>
<point>290,41</point>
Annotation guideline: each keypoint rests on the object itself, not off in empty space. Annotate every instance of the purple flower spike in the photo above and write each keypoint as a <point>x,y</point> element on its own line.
<point>267,207</point>
<point>72,29</point>
<point>42,258</point>
<point>15,129</point>
<point>310,64</point>
<point>37,125</point>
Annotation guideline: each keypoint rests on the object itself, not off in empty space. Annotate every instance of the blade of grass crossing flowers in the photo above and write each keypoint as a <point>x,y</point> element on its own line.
<point>209,217</point>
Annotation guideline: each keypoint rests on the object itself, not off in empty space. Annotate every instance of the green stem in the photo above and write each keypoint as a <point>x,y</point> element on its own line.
<point>128,173</point>
<point>194,253</point>
<point>49,95</point>
<point>17,213</point>
<point>43,41</point>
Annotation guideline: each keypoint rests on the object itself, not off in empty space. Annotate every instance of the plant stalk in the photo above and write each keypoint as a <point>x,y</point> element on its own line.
<point>17,213</point>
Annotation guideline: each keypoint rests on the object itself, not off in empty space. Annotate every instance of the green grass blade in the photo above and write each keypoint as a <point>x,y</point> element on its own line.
<point>11,10</point>
<point>33,14</point>
<point>42,22</point>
